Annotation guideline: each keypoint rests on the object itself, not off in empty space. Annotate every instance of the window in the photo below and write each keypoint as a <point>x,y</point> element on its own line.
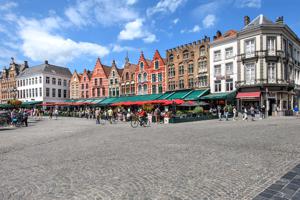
<point>41,92</point>
<point>153,78</point>
<point>229,53</point>
<point>132,88</point>
<point>191,82</point>
<point>127,76</point>
<point>145,89</point>
<point>54,81</point>
<point>171,71</point>
<point>27,94</point>
<point>140,89</point>
<point>111,81</point>
<point>59,93</point>
<point>140,78</point>
<point>98,92</point>
<point>202,51</point>
<point>86,86</point>
<point>181,70</point>
<point>249,48</point>
<point>271,72</point>
<point>181,84</point>
<point>36,92</point>
<point>171,58</point>
<point>65,93</point>
<point>159,77</point>
<point>132,76</point>
<point>47,92</point>
<point>229,85</point>
<point>271,45</point>
<point>171,85</point>
<point>113,73</point>
<point>202,65</point>
<point>217,55</point>
<point>96,81</point>
<point>117,92</point>
<point>93,92</point>
<point>250,73</point>
<point>229,68</point>
<point>156,64</point>
<point>100,81</point>
<point>203,81</point>
<point>84,79</point>
<point>141,66</point>
<point>29,81</point>
<point>160,89</point>
<point>40,79</point>
<point>145,76</point>
<point>36,80</point>
<point>217,70</point>
<point>116,81</point>
<point>82,86</point>
<point>191,68</point>
<point>103,91</point>
<point>217,86</point>
<point>153,89</point>
<point>59,81</point>
<point>185,54</point>
<point>65,83</point>
<point>53,92</point>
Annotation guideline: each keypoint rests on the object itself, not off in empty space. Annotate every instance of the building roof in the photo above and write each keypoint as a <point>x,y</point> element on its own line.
<point>106,70</point>
<point>259,20</point>
<point>47,68</point>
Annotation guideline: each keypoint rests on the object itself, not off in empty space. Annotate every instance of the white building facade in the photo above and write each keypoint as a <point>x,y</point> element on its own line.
<point>223,63</point>
<point>46,83</point>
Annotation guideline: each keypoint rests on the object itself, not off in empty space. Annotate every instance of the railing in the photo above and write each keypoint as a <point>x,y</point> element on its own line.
<point>249,55</point>
<point>265,81</point>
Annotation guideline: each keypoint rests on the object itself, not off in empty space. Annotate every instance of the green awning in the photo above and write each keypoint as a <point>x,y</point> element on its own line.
<point>220,96</point>
<point>165,95</point>
<point>26,103</point>
<point>179,94</point>
<point>5,106</point>
<point>196,94</point>
<point>107,101</point>
<point>137,98</point>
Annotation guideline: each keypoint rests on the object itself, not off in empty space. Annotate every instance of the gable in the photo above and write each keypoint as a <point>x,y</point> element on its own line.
<point>99,71</point>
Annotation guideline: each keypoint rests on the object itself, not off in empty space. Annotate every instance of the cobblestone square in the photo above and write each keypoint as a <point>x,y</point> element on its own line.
<point>76,159</point>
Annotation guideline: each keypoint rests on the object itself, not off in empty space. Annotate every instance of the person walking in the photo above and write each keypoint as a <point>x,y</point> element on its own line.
<point>245,114</point>
<point>50,113</point>
<point>252,111</point>
<point>263,112</point>
<point>25,118</point>
<point>234,113</point>
<point>157,115</point>
<point>296,111</point>
<point>226,110</point>
<point>56,113</point>
<point>110,114</point>
<point>219,113</point>
<point>97,113</point>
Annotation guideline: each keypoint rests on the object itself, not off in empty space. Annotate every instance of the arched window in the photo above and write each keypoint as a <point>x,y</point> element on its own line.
<point>145,76</point>
<point>127,76</point>
<point>140,78</point>
<point>185,54</point>
<point>202,51</point>
<point>156,64</point>
<point>140,89</point>
<point>171,57</point>
<point>113,73</point>
<point>145,89</point>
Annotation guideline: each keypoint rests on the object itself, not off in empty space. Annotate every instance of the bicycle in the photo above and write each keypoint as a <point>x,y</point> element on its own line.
<point>136,121</point>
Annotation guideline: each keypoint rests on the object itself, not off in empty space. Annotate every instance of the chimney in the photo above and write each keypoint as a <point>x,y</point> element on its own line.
<point>46,62</point>
<point>26,63</point>
<point>279,20</point>
<point>246,20</point>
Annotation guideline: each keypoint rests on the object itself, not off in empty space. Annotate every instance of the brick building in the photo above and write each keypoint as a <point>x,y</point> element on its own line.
<point>8,87</point>
<point>142,76</point>
<point>157,74</point>
<point>114,80</point>
<point>99,80</point>
<point>128,79</point>
<point>85,83</point>
<point>187,66</point>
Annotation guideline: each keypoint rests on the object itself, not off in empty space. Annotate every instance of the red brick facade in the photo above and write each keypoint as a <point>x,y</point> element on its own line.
<point>84,84</point>
<point>142,76</point>
<point>99,80</point>
<point>157,74</point>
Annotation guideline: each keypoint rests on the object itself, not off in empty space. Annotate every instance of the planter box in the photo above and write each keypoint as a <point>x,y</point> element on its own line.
<point>179,119</point>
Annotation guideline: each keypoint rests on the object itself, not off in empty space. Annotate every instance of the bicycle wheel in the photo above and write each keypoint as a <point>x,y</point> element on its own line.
<point>134,123</point>
<point>146,123</point>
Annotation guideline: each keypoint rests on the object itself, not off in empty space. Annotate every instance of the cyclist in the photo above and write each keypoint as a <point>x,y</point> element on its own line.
<point>143,116</point>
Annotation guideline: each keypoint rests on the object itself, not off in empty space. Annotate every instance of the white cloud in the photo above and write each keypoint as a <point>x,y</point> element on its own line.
<point>105,12</point>
<point>136,30</point>
<point>207,8</point>
<point>165,6</point>
<point>195,29</point>
<point>209,21</point>
<point>175,21</point>
<point>117,48</point>
<point>248,3</point>
<point>8,6</point>
<point>40,43</point>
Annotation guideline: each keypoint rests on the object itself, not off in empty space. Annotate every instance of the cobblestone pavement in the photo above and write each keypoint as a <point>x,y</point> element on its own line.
<point>76,159</point>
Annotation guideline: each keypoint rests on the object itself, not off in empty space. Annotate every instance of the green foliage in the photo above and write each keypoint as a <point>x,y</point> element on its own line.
<point>198,110</point>
<point>148,108</point>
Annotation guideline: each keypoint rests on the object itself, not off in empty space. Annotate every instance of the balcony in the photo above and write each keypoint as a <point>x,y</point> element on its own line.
<point>249,56</point>
<point>266,82</point>
<point>272,55</point>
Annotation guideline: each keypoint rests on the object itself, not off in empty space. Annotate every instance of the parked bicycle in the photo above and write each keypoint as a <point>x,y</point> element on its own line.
<point>136,121</point>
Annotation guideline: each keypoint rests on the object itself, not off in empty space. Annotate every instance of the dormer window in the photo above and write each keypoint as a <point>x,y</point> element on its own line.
<point>171,57</point>
<point>156,64</point>
<point>141,66</point>
<point>113,73</point>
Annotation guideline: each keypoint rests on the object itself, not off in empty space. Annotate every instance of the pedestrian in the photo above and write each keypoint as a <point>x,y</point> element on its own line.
<point>296,111</point>
<point>219,109</point>
<point>245,113</point>
<point>157,115</point>
<point>50,113</point>
<point>56,113</point>
<point>25,118</point>
<point>226,110</point>
<point>252,111</point>
<point>234,113</point>
<point>97,113</point>
<point>110,114</point>
<point>263,112</point>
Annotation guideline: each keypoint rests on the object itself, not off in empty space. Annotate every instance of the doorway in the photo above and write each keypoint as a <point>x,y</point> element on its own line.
<point>271,106</point>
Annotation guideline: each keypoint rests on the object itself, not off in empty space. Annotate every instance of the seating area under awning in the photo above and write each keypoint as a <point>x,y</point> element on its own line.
<point>220,96</point>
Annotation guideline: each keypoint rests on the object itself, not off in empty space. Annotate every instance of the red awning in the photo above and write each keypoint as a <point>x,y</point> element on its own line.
<point>248,95</point>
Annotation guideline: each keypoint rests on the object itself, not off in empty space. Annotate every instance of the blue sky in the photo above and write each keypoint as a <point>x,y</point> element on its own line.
<point>74,33</point>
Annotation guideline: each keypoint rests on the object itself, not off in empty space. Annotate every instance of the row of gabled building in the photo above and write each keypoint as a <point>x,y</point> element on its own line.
<point>258,65</point>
